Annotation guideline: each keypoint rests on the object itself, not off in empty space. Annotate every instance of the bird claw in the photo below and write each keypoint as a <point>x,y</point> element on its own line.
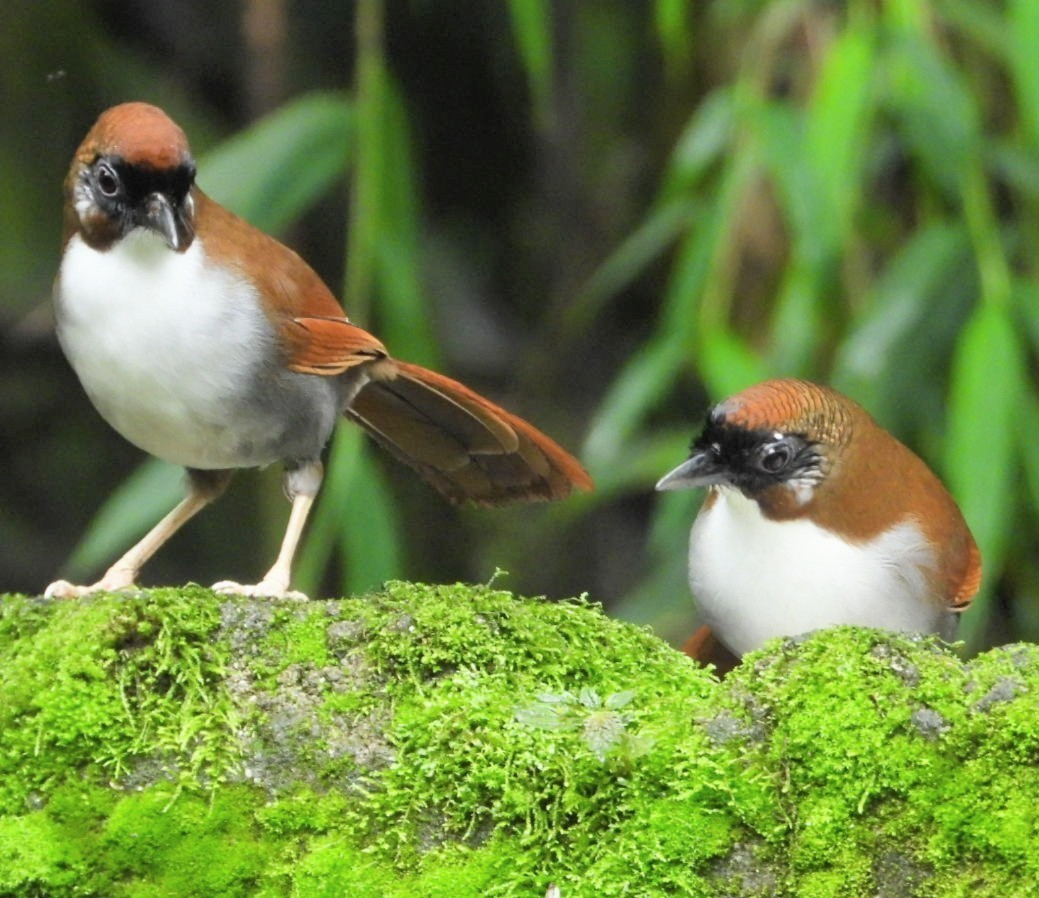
<point>261,590</point>
<point>62,589</point>
<point>117,579</point>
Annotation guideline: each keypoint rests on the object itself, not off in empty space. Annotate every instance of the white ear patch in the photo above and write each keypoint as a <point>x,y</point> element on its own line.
<point>803,488</point>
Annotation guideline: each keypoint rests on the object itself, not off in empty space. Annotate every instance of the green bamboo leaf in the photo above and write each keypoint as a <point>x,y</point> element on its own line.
<point>1028,446</point>
<point>780,132</point>
<point>816,161</point>
<point>797,324</point>
<point>370,542</point>
<point>837,124</point>
<point>399,189</point>
<point>642,461</point>
<point>986,392</point>
<point>652,369</point>
<point>983,225</point>
<point>798,316</point>
<point>701,145</point>
<point>645,379</point>
<point>532,27</point>
<point>981,24</point>
<point>356,516</point>
<point>707,136</point>
<point>130,511</point>
<point>647,242</point>
<point>367,181</point>
<point>639,386</point>
<point>383,249</point>
<point>728,364</point>
<point>1022,30</point>
<point>934,108</point>
<point>674,29</point>
<point>911,292</point>
<point>278,167</point>
<point>1026,303</point>
<point>403,310</point>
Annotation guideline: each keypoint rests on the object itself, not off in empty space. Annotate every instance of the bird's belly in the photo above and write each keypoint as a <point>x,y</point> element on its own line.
<point>168,348</point>
<point>755,579</point>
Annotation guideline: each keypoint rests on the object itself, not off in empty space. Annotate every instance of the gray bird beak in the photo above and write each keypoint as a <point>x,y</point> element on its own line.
<point>169,223</point>
<point>702,469</point>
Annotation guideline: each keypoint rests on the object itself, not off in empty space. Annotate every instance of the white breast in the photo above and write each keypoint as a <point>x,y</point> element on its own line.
<point>754,578</point>
<point>164,344</point>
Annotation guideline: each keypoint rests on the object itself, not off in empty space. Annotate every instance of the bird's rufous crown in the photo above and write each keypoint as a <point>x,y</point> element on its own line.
<point>139,133</point>
<point>790,406</point>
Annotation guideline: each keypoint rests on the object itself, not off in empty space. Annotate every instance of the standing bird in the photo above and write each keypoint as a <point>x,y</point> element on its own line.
<point>817,516</point>
<point>211,345</point>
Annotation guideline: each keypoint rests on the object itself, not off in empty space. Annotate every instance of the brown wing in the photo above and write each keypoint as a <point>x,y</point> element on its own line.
<point>464,445</point>
<point>316,335</point>
<point>467,447</point>
<point>328,346</point>
<point>286,285</point>
<point>970,582</point>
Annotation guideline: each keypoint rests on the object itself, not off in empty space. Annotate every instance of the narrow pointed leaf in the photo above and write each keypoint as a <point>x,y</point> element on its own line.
<point>278,167</point>
<point>985,400</point>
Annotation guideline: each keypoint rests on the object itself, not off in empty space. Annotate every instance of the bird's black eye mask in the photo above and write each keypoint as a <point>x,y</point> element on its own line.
<point>114,197</point>
<point>119,185</point>
<point>756,460</point>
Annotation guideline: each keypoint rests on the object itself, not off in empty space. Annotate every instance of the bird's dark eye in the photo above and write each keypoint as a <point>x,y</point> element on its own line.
<point>107,180</point>
<point>775,457</point>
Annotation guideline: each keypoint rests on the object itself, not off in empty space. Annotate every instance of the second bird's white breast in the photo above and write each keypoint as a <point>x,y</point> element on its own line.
<point>754,578</point>
<point>164,344</point>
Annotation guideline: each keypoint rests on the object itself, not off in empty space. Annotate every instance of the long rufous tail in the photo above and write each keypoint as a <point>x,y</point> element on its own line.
<point>467,447</point>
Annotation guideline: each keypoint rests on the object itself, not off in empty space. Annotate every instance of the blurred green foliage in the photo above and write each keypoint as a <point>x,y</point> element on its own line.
<point>612,214</point>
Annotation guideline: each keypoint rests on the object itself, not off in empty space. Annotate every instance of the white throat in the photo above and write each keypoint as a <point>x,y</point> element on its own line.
<point>754,578</point>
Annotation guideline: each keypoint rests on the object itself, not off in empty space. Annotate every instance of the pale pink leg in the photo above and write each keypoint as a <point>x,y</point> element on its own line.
<point>301,485</point>
<point>204,486</point>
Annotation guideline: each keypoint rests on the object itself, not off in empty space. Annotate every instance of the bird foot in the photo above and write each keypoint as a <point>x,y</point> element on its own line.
<point>264,589</point>
<point>114,580</point>
<point>62,589</point>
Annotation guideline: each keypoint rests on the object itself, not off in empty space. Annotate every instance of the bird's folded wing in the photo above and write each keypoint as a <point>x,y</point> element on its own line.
<point>328,346</point>
<point>970,582</point>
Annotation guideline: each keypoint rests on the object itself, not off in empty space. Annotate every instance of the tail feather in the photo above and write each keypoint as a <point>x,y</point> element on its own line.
<point>464,445</point>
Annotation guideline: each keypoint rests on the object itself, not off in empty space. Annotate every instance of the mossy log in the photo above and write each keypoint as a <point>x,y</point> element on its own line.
<point>457,741</point>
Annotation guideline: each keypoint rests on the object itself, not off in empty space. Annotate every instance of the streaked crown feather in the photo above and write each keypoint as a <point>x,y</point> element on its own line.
<point>788,405</point>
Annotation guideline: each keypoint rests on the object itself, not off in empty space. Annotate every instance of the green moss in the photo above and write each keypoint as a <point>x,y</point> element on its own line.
<point>109,684</point>
<point>36,858</point>
<point>458,741</point>
<point>186,845</point>
<point>294,636</point>
<point>473,664</point>
<point>890,744</point>
<point>332,870</point>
